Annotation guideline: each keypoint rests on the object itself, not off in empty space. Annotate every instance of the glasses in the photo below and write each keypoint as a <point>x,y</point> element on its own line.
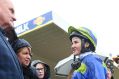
<point>39,69</point>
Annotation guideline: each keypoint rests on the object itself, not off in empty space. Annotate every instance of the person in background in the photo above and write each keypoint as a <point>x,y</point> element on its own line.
<point>109,74</point>
<point>110,68</point>
<point>90,66</point>
<point>9,64</point>
<point>23,52</point>
<point>42,69</point>
<point>116,60</point>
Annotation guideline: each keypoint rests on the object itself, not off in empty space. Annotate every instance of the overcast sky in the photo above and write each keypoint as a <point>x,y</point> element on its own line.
<point>101,16</point>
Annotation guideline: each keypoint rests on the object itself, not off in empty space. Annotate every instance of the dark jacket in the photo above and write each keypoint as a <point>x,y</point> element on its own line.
<point>29,73</point>
<point>9,65</point>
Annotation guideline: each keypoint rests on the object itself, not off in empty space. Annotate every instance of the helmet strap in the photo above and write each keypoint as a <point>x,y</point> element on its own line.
<point>82,46</point>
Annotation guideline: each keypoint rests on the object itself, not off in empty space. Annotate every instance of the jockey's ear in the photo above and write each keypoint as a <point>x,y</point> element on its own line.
<point>87,45</point>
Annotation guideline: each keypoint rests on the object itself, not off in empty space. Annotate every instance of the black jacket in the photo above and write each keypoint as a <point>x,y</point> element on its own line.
<point>29,73</point>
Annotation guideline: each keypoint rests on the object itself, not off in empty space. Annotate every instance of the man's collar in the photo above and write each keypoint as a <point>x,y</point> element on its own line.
<point>2,30</point>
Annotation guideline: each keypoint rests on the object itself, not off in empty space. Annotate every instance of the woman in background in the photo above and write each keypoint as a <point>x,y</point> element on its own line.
<point>42,69</point>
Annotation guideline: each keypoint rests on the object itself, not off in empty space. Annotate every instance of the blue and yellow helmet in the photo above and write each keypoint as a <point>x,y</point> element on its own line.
<point>84,33</point>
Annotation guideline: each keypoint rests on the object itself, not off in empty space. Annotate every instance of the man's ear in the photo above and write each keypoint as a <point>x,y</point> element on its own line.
<point>87,45</point>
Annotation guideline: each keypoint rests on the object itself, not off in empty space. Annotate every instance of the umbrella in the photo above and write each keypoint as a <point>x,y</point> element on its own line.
<point>64,66</point>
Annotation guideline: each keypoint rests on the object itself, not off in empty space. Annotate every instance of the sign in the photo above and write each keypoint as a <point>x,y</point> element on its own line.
<point>32,24</point>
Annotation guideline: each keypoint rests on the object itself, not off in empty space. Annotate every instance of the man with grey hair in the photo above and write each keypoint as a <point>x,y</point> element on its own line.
<point>9,64</point>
